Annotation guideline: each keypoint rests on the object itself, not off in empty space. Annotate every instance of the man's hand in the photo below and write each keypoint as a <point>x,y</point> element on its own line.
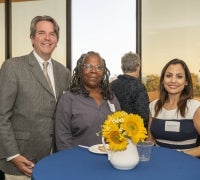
<point>23,164</point>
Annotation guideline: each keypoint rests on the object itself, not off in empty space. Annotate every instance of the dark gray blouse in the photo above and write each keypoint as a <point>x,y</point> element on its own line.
<point>78,119</point>
<point>132,96</point>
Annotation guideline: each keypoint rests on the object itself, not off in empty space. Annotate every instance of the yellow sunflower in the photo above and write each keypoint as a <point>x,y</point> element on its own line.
<point>108,127</point>
<point>134,127</point>
<point>116,141</point>
<point>121,126</point>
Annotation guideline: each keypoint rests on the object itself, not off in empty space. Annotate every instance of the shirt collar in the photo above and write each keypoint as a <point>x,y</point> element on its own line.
<point>40,60</point>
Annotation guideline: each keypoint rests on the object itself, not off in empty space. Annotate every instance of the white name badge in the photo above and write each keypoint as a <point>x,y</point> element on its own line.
<point>172,126</point>
<point>111,106</point>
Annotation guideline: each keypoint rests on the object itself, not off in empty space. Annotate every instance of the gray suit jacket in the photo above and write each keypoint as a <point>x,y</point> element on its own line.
<point>27,107</point>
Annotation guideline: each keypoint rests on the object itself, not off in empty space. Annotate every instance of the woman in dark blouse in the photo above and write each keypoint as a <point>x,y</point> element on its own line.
<point>129,90</point>
<point>82,110</point>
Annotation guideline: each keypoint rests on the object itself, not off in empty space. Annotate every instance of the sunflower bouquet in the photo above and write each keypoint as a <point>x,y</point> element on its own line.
<point>120,126</point>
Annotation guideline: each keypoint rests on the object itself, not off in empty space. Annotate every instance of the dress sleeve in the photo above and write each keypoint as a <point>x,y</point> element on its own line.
<point>152,107</point>
<point>192,105</point>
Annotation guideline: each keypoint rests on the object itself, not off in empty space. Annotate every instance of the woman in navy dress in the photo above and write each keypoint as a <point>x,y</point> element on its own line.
<point>175,116</point>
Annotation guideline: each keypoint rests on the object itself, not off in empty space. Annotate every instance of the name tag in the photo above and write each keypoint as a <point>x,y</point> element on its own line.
<point>172,126</point>
<point>111,106</point>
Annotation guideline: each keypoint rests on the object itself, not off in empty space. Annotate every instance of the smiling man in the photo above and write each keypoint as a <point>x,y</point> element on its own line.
<point>27,103</point>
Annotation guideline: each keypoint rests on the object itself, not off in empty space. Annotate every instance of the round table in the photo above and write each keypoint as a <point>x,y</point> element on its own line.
<point>78,163</point>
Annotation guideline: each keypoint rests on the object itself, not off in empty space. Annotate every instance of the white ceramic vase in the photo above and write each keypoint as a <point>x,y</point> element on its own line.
<point>126,159</point>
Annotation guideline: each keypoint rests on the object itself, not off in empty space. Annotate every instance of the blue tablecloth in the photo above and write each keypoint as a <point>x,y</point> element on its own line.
<point>79,163</point>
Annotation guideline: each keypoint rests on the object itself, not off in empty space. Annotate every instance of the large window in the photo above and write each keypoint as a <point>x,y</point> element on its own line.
<point>170,29</point>
<point>22,14</point>
<point>105,26</point>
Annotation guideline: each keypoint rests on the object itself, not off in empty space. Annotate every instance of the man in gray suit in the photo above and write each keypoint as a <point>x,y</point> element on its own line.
<point>27,103</point>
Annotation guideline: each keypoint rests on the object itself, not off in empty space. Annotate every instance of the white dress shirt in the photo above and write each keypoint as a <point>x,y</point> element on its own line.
<point>49,69</point>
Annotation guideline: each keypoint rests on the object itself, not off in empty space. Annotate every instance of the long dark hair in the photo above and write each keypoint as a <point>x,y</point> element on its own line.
<point>186,94</point>
<point>77,82</point>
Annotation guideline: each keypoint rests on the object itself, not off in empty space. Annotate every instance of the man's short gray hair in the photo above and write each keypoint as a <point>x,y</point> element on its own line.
<point>129,62</point>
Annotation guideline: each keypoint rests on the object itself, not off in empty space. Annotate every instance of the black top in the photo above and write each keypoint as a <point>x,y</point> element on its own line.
<point>132,96</point>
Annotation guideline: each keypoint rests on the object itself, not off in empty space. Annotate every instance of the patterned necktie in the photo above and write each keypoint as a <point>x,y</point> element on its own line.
<point>45,64</point>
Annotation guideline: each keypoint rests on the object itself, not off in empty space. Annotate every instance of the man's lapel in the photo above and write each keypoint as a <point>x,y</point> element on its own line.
<point>38,73</point>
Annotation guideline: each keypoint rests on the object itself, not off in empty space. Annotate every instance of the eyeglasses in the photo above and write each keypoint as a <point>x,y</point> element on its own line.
<point>89,67</point>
